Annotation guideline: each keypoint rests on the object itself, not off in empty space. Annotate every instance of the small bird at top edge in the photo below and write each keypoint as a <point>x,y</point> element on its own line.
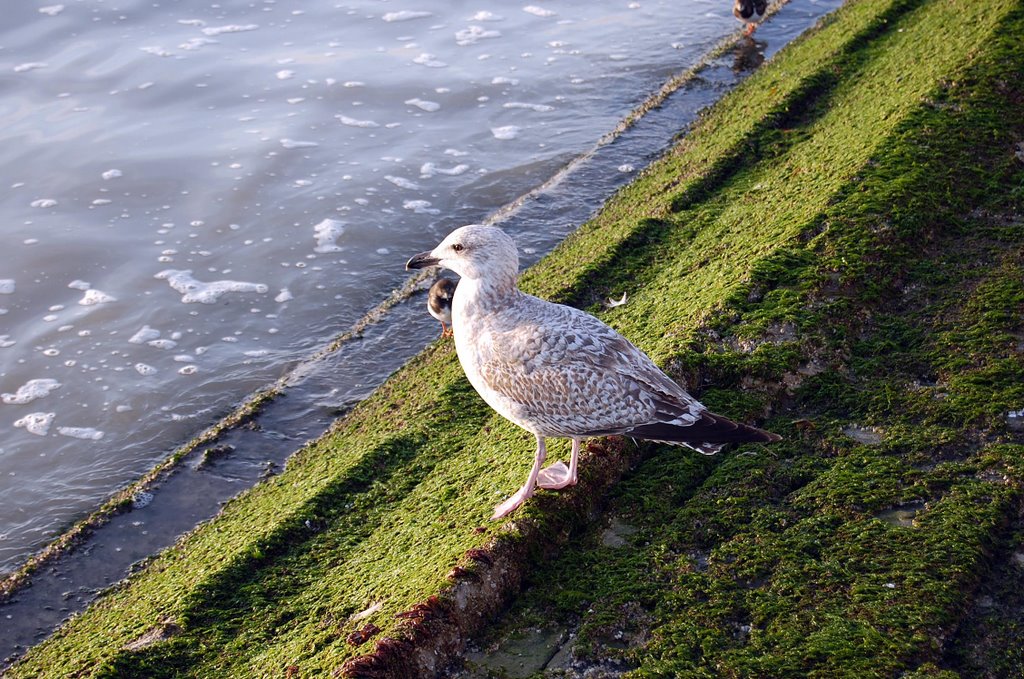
<point>744,10</point>
<point>439,303</point>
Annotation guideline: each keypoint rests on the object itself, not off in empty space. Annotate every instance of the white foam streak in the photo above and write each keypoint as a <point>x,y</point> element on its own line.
<point>430,169</point>
<point>87,433</point>
<point>193,290</point>
<point>429,106</point>
<point>156,51</point>
<point>474,34</point>
<point>429,60</point>
<point>93,297</point>
<point>354,122</point>
<point>145,369</point>
<point>6,286</point>
<point>402,182</point>
<point>193,44</point>
<point>297,144</point>
<point>326,233</point>
<point>405,15</point>
<point>144,334</point>
<point>420,207</point>
<point>36,423</point>
<point>538,11</point>
<point>230,28</point>
<point>31,390</point>
<point>539,108</point>
<point>506,132</point>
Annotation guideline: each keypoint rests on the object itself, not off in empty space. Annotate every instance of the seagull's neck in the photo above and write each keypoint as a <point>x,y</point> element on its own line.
<point>484,295</point>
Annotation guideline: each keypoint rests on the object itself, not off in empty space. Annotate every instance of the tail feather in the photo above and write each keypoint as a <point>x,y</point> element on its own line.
<point>710,429</point>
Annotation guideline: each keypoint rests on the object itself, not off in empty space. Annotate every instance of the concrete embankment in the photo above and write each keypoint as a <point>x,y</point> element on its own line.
<point>834,252</point>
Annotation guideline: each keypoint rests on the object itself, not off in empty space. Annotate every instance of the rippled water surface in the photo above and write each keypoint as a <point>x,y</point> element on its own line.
<point>196,195</point>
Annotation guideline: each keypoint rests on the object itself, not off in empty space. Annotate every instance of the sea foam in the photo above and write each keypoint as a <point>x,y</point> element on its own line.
<point>326,233</point>
<point>429,106</point>
<point>230,28</point>
<point>354,122</point>
<point>93,297</point>
<point>429,60</point>
<point>87,433</point>
<point>36,423</point>
<point>538,11</point>
<point>474,34</point>
<point>30,391</point>
<point>298,144</point>
<point>144,334</point>
<point>404,15</point>
<point>506,132</point>
<point>429,169</point>
<point>193,290</point>
<point>402,182</point>
<point>420,207</point>
<point>540,108</point>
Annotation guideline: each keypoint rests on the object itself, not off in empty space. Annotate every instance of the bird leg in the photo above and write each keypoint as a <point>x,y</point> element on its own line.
<point>558,475</point>
<point>446,332</point>
<point>524,493</point>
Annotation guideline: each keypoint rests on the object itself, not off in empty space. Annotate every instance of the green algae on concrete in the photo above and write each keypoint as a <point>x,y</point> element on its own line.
<point>907,292</point>
<point>836,244</point>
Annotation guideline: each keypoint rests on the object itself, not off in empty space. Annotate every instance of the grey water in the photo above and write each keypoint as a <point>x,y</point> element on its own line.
<point>195,194</point>
<point>199,196</point>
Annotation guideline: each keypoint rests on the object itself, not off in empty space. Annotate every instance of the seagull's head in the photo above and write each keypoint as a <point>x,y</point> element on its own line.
<point>474,252</point>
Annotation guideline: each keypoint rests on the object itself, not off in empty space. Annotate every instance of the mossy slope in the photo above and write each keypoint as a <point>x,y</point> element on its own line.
<point>837,243</point>
<point>894,316</point>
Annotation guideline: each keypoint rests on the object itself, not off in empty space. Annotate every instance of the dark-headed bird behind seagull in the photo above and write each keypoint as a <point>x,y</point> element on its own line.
<point>439,302</point>
<point>557,371</point>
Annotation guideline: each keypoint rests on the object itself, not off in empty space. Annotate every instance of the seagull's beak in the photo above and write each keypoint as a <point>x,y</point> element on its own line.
<point>422,261</point>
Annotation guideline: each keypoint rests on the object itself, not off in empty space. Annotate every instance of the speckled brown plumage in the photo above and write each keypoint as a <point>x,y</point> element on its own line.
<point>557,371</point>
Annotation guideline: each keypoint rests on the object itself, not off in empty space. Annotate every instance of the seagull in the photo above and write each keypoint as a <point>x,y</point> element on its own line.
<point>557,371</point>
<point>439,303</point>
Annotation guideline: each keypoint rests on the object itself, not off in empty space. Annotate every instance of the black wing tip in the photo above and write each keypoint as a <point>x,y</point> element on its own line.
<point>710,429</point>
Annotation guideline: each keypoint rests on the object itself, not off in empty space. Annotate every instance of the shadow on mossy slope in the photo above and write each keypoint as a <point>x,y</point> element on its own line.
<point>908,292</point>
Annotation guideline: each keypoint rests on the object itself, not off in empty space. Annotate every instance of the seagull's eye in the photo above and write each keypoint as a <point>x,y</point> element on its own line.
<point>458,247</point>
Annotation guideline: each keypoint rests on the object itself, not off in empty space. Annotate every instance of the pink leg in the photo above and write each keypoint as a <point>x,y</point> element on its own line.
<point>558,475</point>
<point>524,493</point>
